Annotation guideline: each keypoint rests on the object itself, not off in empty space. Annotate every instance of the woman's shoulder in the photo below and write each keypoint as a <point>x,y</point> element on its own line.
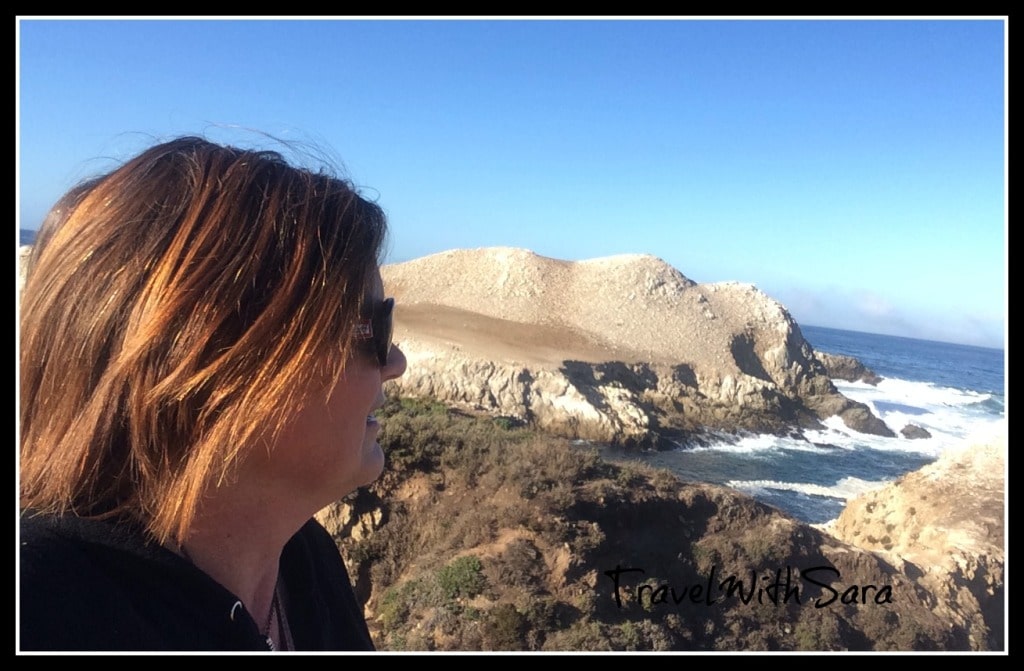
<point>58,553</point>
<point>89,584</point>
<point>69,595</point>
<point>320,592</point>
<point>82,551</point>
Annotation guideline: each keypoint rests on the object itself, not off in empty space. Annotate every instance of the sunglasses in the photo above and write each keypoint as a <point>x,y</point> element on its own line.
<point>375,331</point>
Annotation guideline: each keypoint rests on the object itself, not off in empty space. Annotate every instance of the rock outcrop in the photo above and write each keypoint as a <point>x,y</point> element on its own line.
<point>943,524</point>
<point>848,369</point>
<point>624,349</point>
<point>913,432</point>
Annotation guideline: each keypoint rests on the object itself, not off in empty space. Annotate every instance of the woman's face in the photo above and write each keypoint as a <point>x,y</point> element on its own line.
<point>331,448</point>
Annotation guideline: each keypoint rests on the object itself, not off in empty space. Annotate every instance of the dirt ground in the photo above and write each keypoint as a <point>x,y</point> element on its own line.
<point>501,339</point>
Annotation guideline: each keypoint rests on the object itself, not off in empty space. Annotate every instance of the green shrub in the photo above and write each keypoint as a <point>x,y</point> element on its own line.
<point>630,475</point>
<point>395,604</point>
<point>629,636</point>
<point>704,559</point>
<point>419,406</point>
<point>462,578</point>
<point>815,633</point>
<point>507,423</point>
<point>505,628</point>
<point>581,635</point>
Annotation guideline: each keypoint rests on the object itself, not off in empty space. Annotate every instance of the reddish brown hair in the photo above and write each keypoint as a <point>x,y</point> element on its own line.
<point>176,310</point>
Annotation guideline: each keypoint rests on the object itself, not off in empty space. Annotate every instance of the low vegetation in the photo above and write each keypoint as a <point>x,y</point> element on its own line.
<point>484,535</point>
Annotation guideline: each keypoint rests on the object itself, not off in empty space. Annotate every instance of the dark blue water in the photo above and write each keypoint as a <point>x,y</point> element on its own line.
<point>978,369</point>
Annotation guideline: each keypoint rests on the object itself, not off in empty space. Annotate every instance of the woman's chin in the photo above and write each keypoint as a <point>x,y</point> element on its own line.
<point>374,464</point>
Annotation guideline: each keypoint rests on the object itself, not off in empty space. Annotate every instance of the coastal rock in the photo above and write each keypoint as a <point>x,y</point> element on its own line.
<point>944,524</point>
<point>623,349</point>
<point>913,432</point>
<point>847,368</point>
<point>859,418</point>
<point>578,399</point>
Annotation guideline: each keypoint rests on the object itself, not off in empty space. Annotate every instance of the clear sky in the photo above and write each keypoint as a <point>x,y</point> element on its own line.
<point>855,170</point>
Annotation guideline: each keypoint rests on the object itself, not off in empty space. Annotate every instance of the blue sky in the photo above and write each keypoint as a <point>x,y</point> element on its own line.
<point>853,169</point>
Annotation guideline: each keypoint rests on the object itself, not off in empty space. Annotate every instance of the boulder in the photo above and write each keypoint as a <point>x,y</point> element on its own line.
<point>913,432</point>
<point>847,368</point>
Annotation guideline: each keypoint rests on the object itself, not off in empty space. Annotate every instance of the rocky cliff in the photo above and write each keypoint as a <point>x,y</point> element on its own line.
<point>943,524</point>
<point>624,349</point>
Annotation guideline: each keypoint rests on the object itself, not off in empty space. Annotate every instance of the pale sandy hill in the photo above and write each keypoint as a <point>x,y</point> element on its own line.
<point>513,302</point>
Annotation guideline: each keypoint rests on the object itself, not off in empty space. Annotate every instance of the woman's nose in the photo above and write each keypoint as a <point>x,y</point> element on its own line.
<point>396,364</point>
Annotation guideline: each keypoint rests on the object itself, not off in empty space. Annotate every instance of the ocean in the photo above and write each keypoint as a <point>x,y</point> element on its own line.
<point>955,392</point>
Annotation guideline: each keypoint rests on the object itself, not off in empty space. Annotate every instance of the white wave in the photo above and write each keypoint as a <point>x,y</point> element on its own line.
<point>920,394</point>
<point>835,434</point>
<point>846,489</point>
<point>842,436</point>
<point>947,429</point>
<point>948,414</point>
<point>992,433</point>
<point>758,442</point>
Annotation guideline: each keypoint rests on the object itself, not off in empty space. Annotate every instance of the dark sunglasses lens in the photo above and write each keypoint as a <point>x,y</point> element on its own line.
<point>382,330</point>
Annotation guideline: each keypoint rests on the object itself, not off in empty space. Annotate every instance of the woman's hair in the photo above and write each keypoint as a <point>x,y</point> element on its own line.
<point>177,311</point>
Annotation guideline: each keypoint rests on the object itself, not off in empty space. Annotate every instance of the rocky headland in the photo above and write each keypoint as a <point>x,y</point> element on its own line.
<point>623,350</point>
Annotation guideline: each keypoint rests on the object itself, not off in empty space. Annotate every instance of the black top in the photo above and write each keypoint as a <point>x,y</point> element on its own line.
<point>101,585</point>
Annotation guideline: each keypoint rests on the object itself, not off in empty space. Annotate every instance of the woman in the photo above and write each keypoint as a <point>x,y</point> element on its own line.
<point>204,337</point>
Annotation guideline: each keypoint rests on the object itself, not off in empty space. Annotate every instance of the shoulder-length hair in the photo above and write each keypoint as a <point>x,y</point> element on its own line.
<point>176,311</point>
